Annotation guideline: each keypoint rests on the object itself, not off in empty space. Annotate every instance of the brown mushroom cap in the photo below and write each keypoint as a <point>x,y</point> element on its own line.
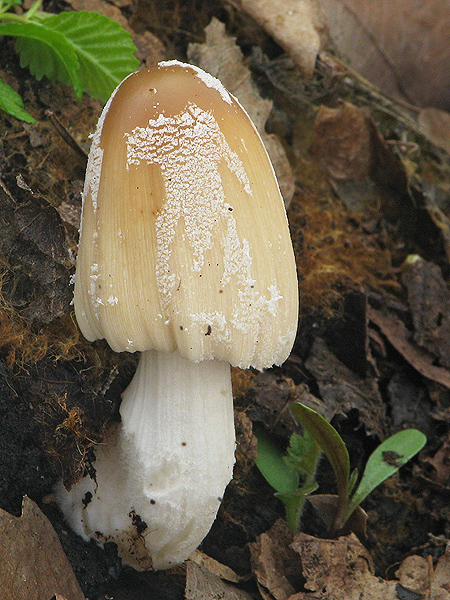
<point>185,242</point>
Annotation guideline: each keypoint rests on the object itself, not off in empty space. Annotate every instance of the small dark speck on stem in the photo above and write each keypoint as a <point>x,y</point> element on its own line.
<point>87,499</point>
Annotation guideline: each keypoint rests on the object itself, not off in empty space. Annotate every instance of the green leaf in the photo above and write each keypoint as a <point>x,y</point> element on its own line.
<point>274,469</point>
<point>11,102</point>
<point>386,459</point>
<point>103,48</point>
<point>303,454</point>
<point>331,443</point>
<point>281,472</point>
<point>45,52</point>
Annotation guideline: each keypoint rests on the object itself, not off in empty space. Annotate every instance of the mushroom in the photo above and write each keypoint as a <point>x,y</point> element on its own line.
<point>185,256</point>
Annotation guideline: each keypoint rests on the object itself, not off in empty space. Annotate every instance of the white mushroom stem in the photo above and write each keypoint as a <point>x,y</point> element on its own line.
<point>161,476</point>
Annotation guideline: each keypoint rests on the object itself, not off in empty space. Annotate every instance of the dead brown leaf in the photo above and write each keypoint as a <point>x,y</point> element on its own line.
<point>202,584</point>
<point>274,563</point>
<point>33,242</point>
<point>342,142</point>
<point>349,146</point>
<point>294,24</point>
<point>441,578</point>
<point>267,401</point>
<point>342,389</point>
<point>441,464</point>
<point>401,46</point>
<point>434,200</point>
<point>338,569</point>
<point>221,57</point>
<point>397,334</point>
<point>436,125</point>
<point>429,300</point>
<point>417,573</point>
<point>33,563</point>
<point>214,566</point>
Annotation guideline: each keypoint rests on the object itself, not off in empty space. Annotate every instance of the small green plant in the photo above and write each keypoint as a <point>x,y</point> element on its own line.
<point>85,50</point>
<point>284,472</point>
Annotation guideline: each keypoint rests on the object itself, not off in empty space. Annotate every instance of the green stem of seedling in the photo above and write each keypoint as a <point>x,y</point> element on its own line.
<point>292,513</point>
<point>6,6</point>
<point>33,9</point>
<point>10,16</point>
<point>341,515</point>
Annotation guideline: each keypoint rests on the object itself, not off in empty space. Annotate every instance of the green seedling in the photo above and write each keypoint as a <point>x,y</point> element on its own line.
<point>84,50</point>
<point>284,473</point>
<point>392,454</point>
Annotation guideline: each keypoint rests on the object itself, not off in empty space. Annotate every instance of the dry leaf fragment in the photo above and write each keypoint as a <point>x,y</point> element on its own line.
<point>429,300</point>
<point>221,57</point>
<point>417,573</point>
<point>343,390</point>
<point>441,464</point>
<point>436,125</point>
<point>349,146</point>
<point>202,584</point>
<point>33,242</point>
<point>267,401</point>
<point>337,569</point>
<point>342,142</point>
<point>33,563</point>
<point>274,563</point>
<point>401,46</point>
<point>294,24</point>
<point>214,566</point>
<point>397,334</point>
<point>434,200</point>
<point>414,573</point>
<point>441,579</point>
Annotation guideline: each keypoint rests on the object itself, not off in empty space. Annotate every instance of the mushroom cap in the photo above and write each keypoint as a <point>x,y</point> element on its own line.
<point>184,243</point>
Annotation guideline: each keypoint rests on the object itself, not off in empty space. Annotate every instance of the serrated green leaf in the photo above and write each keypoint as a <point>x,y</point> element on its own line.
<point>385,460</point>
<point>282,473</point>
<point>45,52</point>
<point>270,462</point>
<point>104,49</point>
<point>11,102</point>
<point>303,454</point>
<point>330,441</point>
